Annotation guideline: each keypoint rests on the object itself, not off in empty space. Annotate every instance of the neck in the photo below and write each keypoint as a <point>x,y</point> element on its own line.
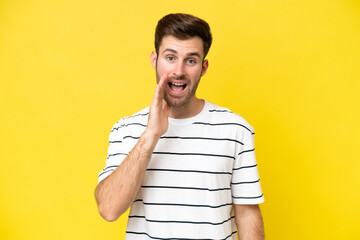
<point>191,109</point>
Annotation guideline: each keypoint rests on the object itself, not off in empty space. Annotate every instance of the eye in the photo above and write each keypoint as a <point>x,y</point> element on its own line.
<point>170,58</point>
<point>191,61</point>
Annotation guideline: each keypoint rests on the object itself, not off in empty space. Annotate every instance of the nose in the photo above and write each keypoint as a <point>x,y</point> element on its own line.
<point>178,70</point>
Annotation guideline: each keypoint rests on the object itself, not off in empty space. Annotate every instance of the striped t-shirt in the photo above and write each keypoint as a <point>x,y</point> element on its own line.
<point>200,167</point>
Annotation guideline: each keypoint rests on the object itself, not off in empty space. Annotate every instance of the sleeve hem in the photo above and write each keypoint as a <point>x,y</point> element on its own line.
<point>249,201</point>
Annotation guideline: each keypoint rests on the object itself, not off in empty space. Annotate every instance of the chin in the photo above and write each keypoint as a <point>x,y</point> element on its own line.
<point>175,103</point>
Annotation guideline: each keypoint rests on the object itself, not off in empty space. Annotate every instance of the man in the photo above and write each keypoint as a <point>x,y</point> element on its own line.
<point>185,166</point>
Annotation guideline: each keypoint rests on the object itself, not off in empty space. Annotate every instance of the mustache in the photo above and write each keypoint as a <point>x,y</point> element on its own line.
<point>177,78</point>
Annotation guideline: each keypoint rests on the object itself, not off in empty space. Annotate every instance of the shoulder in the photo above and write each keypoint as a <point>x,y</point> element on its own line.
<point>137,119</point>
<point>138,116</point>
<point>222,115</point>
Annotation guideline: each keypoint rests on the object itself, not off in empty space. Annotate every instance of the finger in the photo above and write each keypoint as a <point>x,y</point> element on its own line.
<point>162,84</point>
<point>160,88</point>
<point>163,80</point>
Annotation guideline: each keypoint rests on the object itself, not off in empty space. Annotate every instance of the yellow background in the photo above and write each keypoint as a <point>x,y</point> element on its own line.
<point>70,69</point>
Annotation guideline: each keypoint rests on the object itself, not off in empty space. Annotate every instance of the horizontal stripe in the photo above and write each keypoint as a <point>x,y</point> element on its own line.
<point>192,138</point>
<point>183,205</point>
<point>111,170</point>
<point>194,154</point>
<point>177,238</point>
<point>202,138</point>
<point>187,171</point>
<point>137,115</point>
<point>185,222</point>
<point>251,166</point>
<point>115,154</point>
<point>115,141</point>
<point>131,137</point>
<point>245,151</point>
<point>215,110</point>
<point>221,124</point>
<point>188,188</point>
<point>245,182</point>
<point>129,124</point>
<point>248,197</point>
<point>110,167</point>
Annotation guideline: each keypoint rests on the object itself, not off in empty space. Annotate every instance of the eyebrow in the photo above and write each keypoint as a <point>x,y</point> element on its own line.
<point>188,54</point>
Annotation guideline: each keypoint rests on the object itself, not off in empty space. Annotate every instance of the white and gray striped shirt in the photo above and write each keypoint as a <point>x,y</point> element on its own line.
<point>199,169</point>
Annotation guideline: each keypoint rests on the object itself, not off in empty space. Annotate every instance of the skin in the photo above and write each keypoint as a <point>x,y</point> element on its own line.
<point>179,62</point>
<point>249,222</point>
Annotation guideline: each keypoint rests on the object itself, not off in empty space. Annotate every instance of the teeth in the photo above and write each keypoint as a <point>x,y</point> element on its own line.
<point>178,84</point>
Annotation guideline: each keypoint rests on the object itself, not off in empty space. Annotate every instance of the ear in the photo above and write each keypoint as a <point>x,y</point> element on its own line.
<point>204,67</point>
<point>153,57</point>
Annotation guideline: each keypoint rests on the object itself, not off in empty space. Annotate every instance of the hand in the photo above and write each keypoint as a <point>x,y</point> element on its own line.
<point>159,111</point>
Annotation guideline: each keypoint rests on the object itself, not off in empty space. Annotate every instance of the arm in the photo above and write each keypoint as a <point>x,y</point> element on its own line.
<point>249,222</point>
<point>116,193</point>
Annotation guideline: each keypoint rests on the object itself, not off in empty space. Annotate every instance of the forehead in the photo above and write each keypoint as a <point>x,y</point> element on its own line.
<point>182,47</point>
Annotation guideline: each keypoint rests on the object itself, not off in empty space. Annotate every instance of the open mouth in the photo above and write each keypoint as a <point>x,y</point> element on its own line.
<point>177,87</point>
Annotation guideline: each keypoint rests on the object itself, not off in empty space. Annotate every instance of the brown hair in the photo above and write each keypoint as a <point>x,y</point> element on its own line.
<point>183,26</point>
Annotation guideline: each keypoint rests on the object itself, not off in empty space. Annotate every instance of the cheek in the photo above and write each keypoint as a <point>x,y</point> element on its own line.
<point>195,72</point>
<point>163,67</point>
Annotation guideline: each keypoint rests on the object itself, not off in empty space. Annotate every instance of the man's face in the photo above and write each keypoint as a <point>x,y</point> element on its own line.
<point>182,62</point>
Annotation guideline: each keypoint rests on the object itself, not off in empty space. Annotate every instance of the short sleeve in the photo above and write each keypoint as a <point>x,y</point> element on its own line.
<point>117,150</point>
<point>245,184</point>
